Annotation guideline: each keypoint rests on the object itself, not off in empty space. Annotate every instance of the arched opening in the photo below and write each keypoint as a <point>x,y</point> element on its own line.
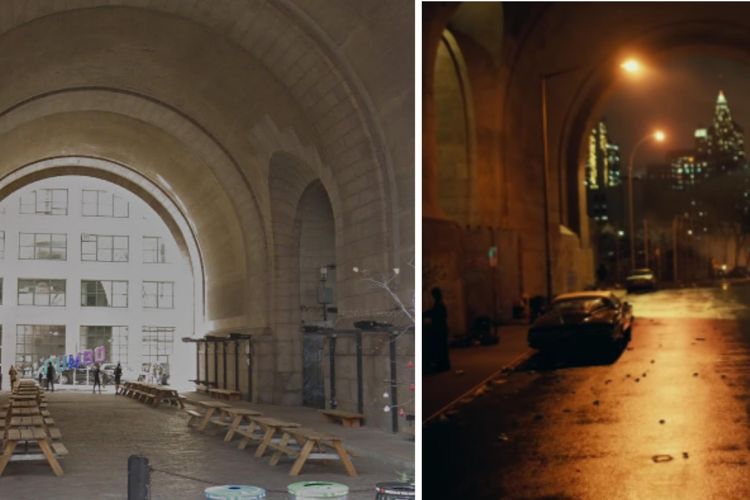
<point>96,257</point>
<point>317,286</point>
<point>698,229</point>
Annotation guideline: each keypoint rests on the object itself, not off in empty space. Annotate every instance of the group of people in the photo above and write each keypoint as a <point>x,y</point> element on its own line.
<point>47,374</point>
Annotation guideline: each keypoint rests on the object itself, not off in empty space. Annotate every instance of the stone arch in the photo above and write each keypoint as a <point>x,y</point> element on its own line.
<point>723,38</point>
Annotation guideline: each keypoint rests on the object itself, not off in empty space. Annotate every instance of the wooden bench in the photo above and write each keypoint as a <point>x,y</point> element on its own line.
<point>311,445</point>
<point>225,394</point>
<point>194,414</point>
<point>347,419</point>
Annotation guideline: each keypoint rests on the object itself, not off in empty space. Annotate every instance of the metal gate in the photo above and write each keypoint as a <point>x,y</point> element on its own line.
<point>313,389</point>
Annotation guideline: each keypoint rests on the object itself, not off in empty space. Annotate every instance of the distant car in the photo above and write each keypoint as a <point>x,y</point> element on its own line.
<point>582,319</point>
<point>640,279</point>
<point>738,272</point>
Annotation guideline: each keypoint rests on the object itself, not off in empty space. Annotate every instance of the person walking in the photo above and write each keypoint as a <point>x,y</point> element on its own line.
<point>50,376</point>
<point>437,318</point>
<point>118,374</point>
<point>13,377</point>
<point>97,378</point>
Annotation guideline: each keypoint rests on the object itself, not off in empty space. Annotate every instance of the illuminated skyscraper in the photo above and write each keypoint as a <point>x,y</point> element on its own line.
<point>602,171</point>
<point>724,142</point>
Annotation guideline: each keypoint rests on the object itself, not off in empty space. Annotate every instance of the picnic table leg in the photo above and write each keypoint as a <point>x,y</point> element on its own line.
<point>270,431</point>
<point>206,418</point>
<point>44,445</point>
<point>344,456</point>
<point>283,443</point>
<point>233,428</point>
<point>302,458</point>
<point>245,440</point>
<point>7,453</point>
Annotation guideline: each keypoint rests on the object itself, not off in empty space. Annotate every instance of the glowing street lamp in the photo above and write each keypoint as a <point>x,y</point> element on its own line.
<point>632,66</point>
<point>658,136</point>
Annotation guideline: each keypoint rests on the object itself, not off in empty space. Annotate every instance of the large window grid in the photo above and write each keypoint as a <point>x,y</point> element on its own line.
<point>99,203</point>
<point>104,293</point>
<point>158,342</point>
<point>158,294</point>
<point>113,338</point>
<point>42,246</point>
<point>41,292</point>
<point>36,343</point>
<point>154,250</point>
<point>45,202</point>
<point>104,248</point>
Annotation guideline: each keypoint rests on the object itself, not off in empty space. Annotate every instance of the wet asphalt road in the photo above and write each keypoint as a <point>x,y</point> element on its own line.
<point>667,418</point>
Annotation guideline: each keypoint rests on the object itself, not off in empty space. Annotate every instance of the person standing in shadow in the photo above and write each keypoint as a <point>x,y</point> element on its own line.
<point>50,376</point>
<point>437,319</point>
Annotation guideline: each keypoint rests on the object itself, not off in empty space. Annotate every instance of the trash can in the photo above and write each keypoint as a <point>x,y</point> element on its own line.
<point>317,489</point>
<point>395,491</point>
<point>235,492</point>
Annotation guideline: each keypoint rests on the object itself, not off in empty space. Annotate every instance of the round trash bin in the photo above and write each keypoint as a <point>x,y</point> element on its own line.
<point>317,489</point>
<point>235,492</point>
<point>395,491</point>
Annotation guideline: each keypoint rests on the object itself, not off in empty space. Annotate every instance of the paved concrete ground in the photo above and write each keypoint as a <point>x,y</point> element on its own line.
<point>101,431</point>
<point>668,417</point>
<point>470,366</point>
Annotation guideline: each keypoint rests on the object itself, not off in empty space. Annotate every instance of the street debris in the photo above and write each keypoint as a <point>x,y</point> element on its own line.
<point>662,458</point>
<point>685,455</point>
<point>695,374</point>
<point>700,338</point>
<point>596,402</point>
<point>653,361</point>
<point>638,380</point>
<point>662,421</point>
<point>608,381</point>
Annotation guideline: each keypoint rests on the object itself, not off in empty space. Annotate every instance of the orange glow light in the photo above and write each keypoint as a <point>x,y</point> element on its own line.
<point>660,136</point>
<point>631,66</point>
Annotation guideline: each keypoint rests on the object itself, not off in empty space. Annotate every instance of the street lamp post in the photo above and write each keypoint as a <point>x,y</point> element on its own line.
<point>659,137</point>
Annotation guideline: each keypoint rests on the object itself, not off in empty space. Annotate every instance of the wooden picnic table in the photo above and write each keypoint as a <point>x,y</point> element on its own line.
<point>211,408</point>
<point>307,441</point>
<point>24,411</point>
<point>238,415</point>
<point>268,427</point>
<point>35,421</point>
<point>151,393</point>
<point>29,434</point>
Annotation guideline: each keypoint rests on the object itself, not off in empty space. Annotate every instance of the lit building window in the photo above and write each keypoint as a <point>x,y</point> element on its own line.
<point>45,202</point>
<point>104,293</point>
<point>43,246</point>
<point>154,250</point>
<point>98,203</point>
<point>41,292</point>
<point>104,248</point>
<point>113,338</point>
<point>35,344</point>
<point>158,294</point>
<point>158,342</point>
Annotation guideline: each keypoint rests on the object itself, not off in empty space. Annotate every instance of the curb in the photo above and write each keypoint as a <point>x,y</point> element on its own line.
<point>518,360</point>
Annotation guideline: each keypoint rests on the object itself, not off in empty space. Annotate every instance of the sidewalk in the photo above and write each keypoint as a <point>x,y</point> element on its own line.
<point>470,366</point>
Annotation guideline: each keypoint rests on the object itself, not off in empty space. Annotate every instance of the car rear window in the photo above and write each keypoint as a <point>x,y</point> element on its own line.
<point>581,305</point>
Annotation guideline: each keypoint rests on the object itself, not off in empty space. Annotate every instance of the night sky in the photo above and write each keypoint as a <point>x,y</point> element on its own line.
<point>678,95</point>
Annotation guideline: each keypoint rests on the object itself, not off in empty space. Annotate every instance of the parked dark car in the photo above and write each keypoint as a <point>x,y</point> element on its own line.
<point>738,272</point>
<point>582,319</point>
<point>640,279</point>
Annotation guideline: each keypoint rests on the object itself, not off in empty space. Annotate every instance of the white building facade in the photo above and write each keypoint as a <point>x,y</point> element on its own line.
<point>85,263</point>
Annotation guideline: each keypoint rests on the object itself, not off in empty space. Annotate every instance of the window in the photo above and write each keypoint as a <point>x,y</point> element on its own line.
<point>103,248</point>
<point>113,338</point>
<point>157,345</point>
<point>45,202</point>
<point>158,294</point>
<point>104,293</point>
<point>41,292</point>
<point>98,203</point>
<point>43,246</point>
<point>2,244</point>
<point>35,344</point>
<point>154,250</point>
